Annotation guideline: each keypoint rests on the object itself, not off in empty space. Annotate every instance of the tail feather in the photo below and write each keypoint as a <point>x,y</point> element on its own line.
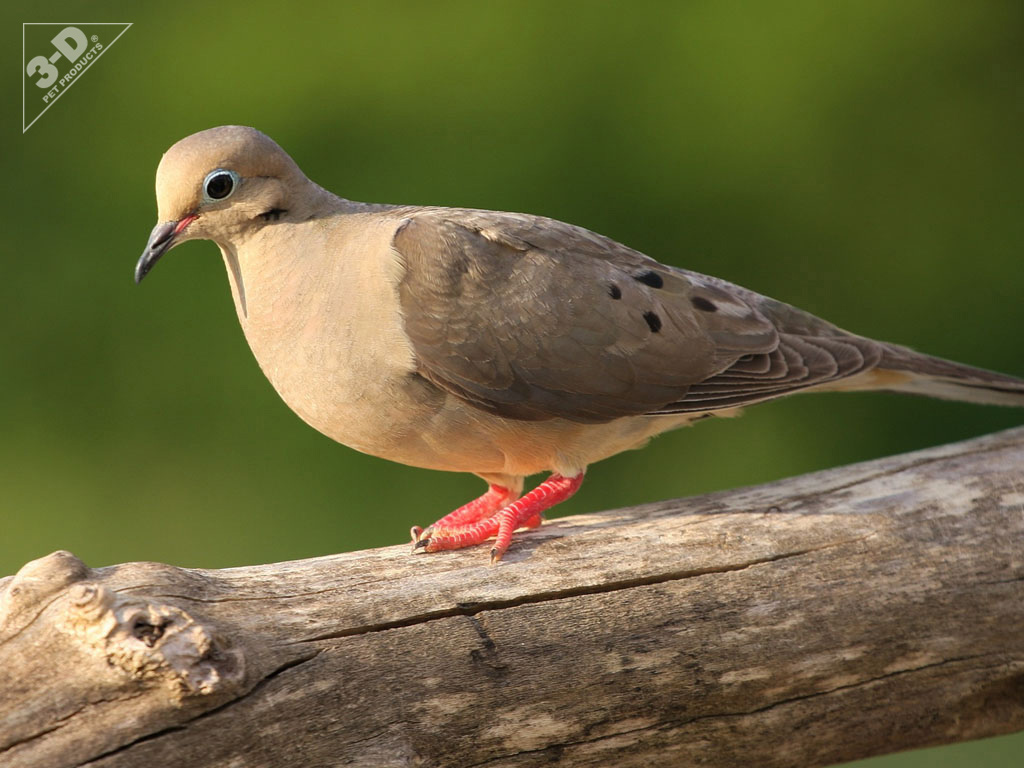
<point>945,379</point>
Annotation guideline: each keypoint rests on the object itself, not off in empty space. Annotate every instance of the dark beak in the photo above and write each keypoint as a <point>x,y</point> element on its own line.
<point>161,239</point>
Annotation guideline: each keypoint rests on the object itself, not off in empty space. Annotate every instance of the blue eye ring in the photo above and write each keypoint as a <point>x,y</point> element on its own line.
<point>219,185</point>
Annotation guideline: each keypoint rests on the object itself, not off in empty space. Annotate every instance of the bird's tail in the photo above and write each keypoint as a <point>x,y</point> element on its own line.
<point>904,370</point>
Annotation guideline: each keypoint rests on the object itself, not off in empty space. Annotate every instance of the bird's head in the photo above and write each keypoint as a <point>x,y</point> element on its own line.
<point>219,184</point>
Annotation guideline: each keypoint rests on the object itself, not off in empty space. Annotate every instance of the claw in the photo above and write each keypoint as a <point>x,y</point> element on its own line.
<point>420,545</point>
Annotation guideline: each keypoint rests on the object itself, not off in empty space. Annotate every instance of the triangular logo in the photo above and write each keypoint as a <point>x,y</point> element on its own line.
<point>54,58</point>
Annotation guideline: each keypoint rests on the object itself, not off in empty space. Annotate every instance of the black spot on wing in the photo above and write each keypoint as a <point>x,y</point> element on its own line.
<point>650,278</point>
<point>614,291</point>
<point>704,305</point>
<point>653,321</point>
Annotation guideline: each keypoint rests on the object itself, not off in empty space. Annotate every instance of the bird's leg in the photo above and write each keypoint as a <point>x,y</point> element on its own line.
<point>515,514</point>
<point>527,510</point>
<point>496,497</point>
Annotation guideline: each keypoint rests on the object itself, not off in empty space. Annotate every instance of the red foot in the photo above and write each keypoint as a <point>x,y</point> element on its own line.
<point>526,511</point>
<point>496,512</point>
<point>432,540</point>
<point>497,496</point>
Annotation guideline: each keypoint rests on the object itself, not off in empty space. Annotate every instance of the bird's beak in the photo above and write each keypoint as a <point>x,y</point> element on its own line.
<point>161,240</point>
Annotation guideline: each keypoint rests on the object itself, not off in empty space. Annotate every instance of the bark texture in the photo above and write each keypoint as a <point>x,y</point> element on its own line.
<point>822,618</point>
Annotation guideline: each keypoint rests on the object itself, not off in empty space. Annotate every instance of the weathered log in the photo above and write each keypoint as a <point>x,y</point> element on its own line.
<point>823,618</point>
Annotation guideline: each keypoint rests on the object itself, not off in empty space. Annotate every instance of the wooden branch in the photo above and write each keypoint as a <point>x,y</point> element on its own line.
<point>823,618</point>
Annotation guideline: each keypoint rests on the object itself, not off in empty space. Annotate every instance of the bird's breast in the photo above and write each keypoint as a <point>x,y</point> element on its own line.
<point>323,323</point>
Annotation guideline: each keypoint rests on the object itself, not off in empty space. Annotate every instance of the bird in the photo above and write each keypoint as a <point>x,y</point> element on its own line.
<point>499,344</point>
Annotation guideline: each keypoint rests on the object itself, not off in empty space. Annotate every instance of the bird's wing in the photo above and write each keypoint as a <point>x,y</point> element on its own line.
<point>531,318</point>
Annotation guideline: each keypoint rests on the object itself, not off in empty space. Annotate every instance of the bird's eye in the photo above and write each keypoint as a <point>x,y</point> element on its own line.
<point>219,184</point>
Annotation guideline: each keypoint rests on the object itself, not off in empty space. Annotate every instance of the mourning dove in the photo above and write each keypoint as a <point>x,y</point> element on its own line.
<point>501,344</point>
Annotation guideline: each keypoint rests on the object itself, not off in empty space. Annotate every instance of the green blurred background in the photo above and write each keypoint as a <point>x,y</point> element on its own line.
<point>863,160</point>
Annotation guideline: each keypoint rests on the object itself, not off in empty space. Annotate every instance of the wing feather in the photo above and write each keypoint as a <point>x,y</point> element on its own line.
<point>531,318</point>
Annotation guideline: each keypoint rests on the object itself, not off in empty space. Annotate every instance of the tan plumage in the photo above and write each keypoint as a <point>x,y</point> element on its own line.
<point>501,344</point>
